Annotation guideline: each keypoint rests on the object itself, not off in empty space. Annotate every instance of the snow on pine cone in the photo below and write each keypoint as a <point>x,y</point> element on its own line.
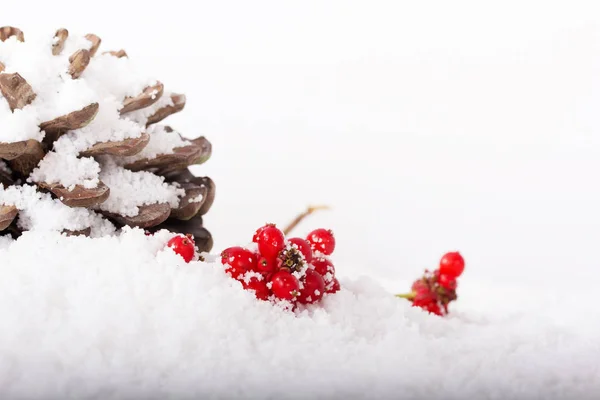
<point>81,150</point>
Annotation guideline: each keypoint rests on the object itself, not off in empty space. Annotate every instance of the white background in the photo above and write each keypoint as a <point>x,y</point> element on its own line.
<point>428,126</point>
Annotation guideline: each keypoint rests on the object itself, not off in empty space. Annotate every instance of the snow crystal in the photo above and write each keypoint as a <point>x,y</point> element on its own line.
<point>39,211</point>
<point>106,127</point>
<point>129,190</point>
<point>196,199</point>
<point>116,77</point>
<point>161,142</point>
<point>67,170</point>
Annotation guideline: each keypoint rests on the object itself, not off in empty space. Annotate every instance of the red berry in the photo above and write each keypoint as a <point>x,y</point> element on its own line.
<point>429,306</point>
<point>314,287</point>
<point>184,246</point>
<point>447,281</point>
<point>270,241</point>
<point>238,260</point>
<point>322,240</point>
<point>284,285</point>
<point>434,308</point>
<point>333,286</point>
<point>452,264</point>
<point>419,286</point>
<point>258,231</point>
<point>261,291</point>
<point>303,247</point>
<point>266,265</point>
<point>323,266</point>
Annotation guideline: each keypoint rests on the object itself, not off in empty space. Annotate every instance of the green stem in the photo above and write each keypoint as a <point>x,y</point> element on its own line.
<point>408,296</point>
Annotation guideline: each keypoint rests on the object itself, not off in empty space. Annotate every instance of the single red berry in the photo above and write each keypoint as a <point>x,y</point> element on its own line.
<point>323,266</point>
<point>314,287</point>
<point>447,281</point>
<point>238,260</point>
<point>265,265</point>
<point>452,264</point>
<point>184,246</point>
<point>261,291</point>
<point>270,241</point>
<point>419,286</point>
<point>258,231</point>
<point>284,285</point>
<point>303,247</point>
<point>322,240</point>
<point>434,308</point>
<point>333,286</point>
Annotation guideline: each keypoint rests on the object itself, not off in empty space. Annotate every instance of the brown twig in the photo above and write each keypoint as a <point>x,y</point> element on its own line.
<point>300,217</point>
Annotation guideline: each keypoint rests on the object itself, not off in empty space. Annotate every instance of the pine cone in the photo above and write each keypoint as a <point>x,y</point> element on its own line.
<point>82,151</point>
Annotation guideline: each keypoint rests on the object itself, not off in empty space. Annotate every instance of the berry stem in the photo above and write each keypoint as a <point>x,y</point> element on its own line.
<point>300,217</point>
<point>408,296</point>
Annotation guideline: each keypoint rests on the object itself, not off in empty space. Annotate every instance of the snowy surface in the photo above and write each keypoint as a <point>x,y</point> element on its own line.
<point>125,318</point>
<point>427,126</point>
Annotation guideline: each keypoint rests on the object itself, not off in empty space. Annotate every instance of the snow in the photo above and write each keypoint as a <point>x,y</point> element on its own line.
<point>129,190</point>
<point>141,116</point>
<point>67,169</point>
<point>40,212</point>
<point>161,142</point>
<point>107,126</point>
<point>139,322</point>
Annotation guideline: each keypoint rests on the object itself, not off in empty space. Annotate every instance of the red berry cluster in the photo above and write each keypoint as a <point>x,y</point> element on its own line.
<point>435,290</point>
<point>294,270</point>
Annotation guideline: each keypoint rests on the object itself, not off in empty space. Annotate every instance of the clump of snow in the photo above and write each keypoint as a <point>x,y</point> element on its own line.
<point>67,170</point>
<point>161,142</point>
<point>129,190</point>
<point>196,199</point>
<point>141,116</point>
<point>105,127</point>
<point>125,317</point>
<point>107,80</point>
<point>40,212</point>
<point>117,77</point>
